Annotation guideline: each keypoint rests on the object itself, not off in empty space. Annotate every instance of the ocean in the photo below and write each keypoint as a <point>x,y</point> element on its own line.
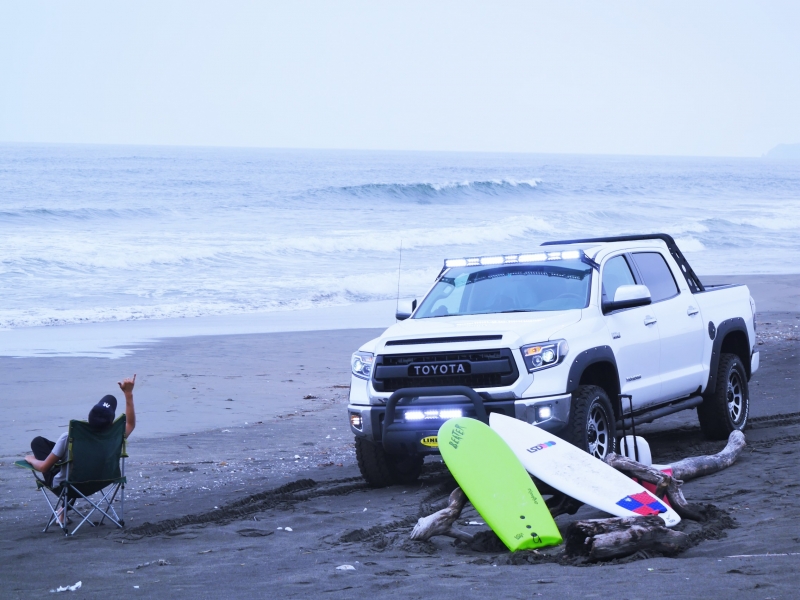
<point>117,233</point>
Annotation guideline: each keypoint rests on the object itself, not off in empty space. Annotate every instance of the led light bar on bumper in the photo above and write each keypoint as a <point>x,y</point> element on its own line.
<point>421,415</point>
<point>361,364</point>
<point>544,354</point>
<point>514,259</point>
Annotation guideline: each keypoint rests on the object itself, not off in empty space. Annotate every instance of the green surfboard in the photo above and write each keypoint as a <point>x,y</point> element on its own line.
<point>497,484</point>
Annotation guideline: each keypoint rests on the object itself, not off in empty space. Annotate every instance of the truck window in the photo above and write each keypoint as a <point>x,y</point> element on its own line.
<point>449,300</point>
<point>616,272</point>
<point>555,285</point>
<point>656,275</point>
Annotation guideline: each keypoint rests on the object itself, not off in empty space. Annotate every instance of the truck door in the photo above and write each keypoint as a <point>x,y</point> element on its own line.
<point>634,338</point>
<point>680,326</point>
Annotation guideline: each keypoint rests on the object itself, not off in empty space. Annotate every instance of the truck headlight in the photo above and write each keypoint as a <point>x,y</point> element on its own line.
<point>544,354</point>
<point>361,364</point>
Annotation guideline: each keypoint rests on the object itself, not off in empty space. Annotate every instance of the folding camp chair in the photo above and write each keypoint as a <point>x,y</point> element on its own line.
<point>95,463</point>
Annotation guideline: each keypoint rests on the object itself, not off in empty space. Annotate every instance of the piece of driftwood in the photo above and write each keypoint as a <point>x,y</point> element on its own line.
<point>441,522</point>
<point>602,539</point>
<point>698,466</point>
<point>688,468</point>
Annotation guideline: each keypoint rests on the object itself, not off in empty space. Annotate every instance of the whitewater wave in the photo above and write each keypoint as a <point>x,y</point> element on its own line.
<point>430,190</point>
<point>87,252</point>
<point>78,214</point>
<point>230,298</point>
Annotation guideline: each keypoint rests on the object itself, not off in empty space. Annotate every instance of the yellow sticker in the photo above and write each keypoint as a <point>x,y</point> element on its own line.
<point>430,441</point>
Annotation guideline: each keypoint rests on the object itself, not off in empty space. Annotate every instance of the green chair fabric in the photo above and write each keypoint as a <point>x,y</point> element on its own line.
<point>94,457</point>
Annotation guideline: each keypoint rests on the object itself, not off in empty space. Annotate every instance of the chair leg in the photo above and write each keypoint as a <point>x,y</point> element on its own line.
<point>109,504</point>
<point>61,502</point>
<point>94,508</point>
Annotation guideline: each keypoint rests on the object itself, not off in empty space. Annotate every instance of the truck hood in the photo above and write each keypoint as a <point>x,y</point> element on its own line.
<point>516,329</point>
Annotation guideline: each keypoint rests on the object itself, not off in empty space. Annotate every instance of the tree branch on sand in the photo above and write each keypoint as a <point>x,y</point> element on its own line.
<point>441,522</point>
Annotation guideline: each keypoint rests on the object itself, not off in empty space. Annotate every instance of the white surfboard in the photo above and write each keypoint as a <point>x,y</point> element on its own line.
<point>577,473</point>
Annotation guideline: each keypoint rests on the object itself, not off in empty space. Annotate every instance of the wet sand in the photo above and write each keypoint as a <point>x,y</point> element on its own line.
<point>241,435</point>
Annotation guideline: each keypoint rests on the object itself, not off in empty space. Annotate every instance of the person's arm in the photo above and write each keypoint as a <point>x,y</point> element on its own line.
<point>126,385</point>
<point>43,466</point>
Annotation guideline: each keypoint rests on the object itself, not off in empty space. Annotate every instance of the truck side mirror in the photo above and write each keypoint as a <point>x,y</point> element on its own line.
<point>405,309</point>
<point>628,296</point>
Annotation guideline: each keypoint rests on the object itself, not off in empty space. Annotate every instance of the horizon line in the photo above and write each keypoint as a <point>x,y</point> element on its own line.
<point>384,150</point>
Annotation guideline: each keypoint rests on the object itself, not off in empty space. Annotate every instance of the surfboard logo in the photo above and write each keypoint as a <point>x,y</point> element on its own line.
<point>456,435</point>
<point>431,441</point>
<point>538,447</point>
<point>642,504</point>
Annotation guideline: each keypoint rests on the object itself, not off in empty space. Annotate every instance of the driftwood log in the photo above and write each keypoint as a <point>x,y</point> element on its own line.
<point>643,532</point>
<point>688,468</point>
<point>441,522</point>
<point>698,466</point>
<point>602,539</point>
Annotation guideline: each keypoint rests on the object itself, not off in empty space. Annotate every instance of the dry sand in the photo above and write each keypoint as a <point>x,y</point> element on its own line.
<point>207,492</point>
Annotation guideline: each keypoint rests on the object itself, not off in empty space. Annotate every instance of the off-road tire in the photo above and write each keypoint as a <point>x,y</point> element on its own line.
<point>592,425</point>
<point>381,469</point>
<point>728,408</point>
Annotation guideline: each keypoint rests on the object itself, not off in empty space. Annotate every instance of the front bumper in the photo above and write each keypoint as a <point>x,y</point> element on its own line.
<point>418,437</point>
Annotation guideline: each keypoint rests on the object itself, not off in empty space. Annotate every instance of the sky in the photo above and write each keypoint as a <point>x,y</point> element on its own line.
<point>611,77</point>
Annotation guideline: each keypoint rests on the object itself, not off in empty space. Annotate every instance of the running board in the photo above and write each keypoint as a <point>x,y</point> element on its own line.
<point>648,416</point>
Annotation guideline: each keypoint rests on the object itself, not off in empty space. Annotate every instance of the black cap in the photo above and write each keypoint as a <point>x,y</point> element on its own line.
<point>102,413</point>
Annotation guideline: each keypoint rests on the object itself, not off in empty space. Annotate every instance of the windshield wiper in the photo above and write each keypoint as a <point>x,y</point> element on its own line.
<point>518,310</point>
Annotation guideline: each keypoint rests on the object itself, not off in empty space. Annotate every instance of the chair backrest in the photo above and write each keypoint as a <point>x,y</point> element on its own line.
<point>94,454</point>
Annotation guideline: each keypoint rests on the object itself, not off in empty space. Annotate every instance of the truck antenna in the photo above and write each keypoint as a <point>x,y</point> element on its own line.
<point>399,264</point>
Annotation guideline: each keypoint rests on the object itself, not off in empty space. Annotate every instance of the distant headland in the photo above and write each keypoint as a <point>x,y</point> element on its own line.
<point>784,151</point>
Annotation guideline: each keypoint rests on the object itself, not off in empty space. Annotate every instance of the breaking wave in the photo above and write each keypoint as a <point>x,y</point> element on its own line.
<point>430,191</point>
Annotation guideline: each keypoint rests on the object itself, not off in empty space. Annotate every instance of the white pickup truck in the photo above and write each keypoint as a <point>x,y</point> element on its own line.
<point>580,337</point>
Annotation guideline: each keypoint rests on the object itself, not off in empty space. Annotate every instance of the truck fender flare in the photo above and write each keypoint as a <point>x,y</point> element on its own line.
<point>721,331</point>
<point>586,359</point>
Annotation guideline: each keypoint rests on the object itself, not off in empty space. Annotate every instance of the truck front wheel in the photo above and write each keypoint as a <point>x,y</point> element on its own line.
<point>728,407</point>
<point>381,469</point>
<point>591,426</point>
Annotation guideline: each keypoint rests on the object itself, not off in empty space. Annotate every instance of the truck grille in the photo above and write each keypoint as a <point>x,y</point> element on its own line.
<point>484,369</point>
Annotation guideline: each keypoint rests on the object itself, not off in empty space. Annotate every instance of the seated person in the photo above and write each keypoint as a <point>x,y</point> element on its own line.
<point>46,453</point>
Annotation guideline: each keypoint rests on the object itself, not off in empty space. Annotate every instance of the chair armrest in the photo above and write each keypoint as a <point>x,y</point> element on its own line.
<point>24,464</point>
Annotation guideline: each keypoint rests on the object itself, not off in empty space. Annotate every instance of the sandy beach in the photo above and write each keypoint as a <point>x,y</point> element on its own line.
<point>241,436</point>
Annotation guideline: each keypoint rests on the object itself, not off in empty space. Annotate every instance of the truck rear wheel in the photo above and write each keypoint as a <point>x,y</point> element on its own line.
<point>728,408</point>
<point>381,469</point>
<point>592,425</point>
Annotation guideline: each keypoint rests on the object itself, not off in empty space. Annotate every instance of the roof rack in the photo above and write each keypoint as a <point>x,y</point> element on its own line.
<point>695,285</point>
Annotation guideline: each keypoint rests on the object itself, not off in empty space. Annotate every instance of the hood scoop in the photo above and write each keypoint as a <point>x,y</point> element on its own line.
<point>444,340</point>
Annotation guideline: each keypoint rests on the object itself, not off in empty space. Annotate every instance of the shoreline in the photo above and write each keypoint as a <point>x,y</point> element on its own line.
<point>116,339</point>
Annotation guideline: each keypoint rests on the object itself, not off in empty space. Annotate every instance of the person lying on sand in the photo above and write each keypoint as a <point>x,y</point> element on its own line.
<point>46,453</point>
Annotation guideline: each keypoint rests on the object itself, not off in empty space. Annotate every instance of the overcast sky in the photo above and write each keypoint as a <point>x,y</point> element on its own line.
<point>679,78</point>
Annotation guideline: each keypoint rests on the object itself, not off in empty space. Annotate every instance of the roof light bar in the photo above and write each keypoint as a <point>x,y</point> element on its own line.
<point>513,259</point>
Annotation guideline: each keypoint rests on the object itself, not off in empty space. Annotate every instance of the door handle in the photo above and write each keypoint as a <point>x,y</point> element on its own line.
<point>648,320</point>
<point>692,311</point>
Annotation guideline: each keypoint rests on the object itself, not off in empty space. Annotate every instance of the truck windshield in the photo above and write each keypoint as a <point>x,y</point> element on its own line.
<point>555,285</point>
